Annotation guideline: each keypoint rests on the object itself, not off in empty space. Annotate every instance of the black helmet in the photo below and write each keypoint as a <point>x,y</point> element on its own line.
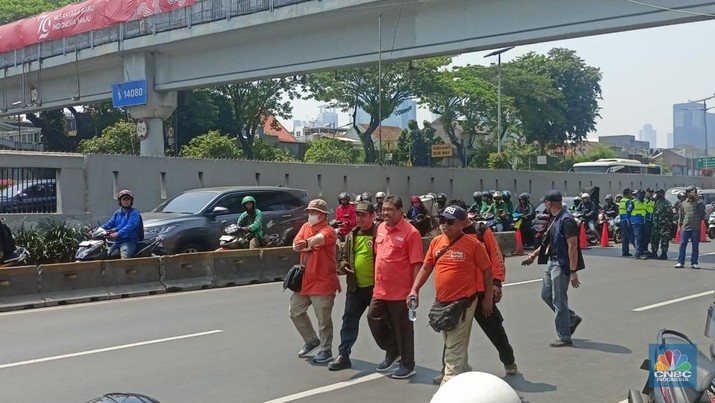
<point>627,192</point>
<point>609,197</point>
<point>524,196</point>
<point>441,197</point>
<point>477,195</point>
<point>343,196</point>
<point>366,196</point>
<point>487,195</point>
<point>506,194</point>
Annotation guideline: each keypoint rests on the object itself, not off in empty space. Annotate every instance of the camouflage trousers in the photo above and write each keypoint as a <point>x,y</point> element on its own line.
<point>660,234</point>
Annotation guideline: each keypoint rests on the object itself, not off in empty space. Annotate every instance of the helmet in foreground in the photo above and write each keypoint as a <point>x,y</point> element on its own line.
<point>475,387</point>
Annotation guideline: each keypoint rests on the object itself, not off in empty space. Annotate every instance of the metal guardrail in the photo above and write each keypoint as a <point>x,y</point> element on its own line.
<point>204,11</point>
<point>28,190</point>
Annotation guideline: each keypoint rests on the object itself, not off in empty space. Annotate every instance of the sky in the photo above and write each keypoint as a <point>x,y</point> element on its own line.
<point>644,73</point>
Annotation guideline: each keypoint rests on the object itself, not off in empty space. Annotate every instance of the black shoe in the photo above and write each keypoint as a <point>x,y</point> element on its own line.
<point>626,255</point>
<point>403,373</point>
<point>576,322</point>
<point>308,348</point>
<point>560,343</point>
<point>389,361</point>
<point>642,257</point>
<point>342,362</point>
<point>663,256</point>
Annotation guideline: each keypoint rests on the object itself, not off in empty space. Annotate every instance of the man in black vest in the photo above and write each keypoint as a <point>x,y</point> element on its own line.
<point>561,251</point>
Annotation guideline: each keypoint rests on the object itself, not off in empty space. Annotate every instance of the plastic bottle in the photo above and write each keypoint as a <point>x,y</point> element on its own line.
<point>412,312</point>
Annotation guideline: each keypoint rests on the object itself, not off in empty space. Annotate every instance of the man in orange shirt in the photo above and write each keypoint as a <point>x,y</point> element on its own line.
<point>398,248</point>
<point>460,262</point>
<point>316,242</point>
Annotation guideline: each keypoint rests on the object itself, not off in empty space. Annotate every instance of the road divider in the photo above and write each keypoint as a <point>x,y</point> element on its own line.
<point>20,288</point>
<point>66,283</point>
<point>189,271</point>
<point>132,277</point>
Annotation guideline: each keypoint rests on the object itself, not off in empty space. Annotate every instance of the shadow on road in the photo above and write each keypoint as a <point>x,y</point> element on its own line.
<point>605,347</point>
<point>518,382</point>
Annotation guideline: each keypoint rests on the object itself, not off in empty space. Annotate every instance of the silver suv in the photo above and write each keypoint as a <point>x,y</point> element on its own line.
<point>194,220</point>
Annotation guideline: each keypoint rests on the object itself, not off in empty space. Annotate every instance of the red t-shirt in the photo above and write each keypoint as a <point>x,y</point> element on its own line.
<point>320,276</point>
<point>351,218</point>
<point>397,249</point>
<point>457,272</point>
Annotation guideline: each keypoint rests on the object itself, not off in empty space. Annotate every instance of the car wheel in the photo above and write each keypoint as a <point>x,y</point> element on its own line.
<point>190,248</point>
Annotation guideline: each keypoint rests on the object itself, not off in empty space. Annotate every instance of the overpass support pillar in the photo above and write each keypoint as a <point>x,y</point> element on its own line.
<point>159,106</point>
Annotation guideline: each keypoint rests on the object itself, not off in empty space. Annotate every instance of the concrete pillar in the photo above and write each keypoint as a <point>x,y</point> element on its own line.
<point>159,106</point>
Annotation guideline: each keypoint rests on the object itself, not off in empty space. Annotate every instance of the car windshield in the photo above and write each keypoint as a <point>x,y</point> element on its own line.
<point>186,203</point>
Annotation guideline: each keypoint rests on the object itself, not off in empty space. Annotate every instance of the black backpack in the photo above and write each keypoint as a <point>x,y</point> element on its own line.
<point>7,241</point>
<point>140,229</point>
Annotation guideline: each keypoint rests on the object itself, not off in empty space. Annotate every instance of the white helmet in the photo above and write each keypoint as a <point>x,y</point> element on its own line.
<point>585,196</point>
<point>380,195</point>
<point>475,387</point>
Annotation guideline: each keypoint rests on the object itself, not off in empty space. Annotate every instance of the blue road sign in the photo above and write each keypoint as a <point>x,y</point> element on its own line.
<point>131,93</point>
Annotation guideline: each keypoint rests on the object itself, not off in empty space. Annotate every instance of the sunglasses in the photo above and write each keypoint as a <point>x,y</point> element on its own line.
<point>443,220</point>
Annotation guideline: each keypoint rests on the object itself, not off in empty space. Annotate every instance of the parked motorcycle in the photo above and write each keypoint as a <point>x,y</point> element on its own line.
<point>97,246</point>
<point>236,238</point>
<point>539,226</point>
<point>591,238</point>
<point>703,371</point>
<point>711,226</point>
<point>614,227</point>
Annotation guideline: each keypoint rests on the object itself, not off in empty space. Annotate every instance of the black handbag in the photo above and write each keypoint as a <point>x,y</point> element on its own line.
<point>294,279</point>
<point>444,316</point>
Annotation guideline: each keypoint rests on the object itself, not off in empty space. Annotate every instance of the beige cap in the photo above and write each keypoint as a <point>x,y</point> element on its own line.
<point>318,205</point>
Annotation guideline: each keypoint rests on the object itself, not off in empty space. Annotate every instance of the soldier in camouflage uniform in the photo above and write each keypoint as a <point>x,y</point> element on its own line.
<point>662,220</point>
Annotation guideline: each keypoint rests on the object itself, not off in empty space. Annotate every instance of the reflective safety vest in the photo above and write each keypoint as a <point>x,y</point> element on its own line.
<point>622,208</point>
<point>639,212</point>
<point>649,209</point>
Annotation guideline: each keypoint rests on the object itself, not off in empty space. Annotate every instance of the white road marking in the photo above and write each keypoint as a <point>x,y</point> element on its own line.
<point>104,350</point>
<point>523,282</point>
<point>327,388</point>
<point>672,301</point>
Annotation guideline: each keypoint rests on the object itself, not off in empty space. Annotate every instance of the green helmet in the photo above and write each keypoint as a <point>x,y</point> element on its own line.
<point>248,199</point>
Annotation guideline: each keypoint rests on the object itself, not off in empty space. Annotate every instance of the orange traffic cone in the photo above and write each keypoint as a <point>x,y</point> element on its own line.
<point>604,236</point>
<point>583,244</point>
<point>677,235</point>
<point>703,232</point>
<point>519,245</point>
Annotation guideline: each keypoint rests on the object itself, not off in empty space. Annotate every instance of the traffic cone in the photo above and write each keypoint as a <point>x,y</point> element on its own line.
<point>583,244</point>
<point>677,235</point>
<point>703,232</point>
<point>604,236</point>
<point>519,245</point>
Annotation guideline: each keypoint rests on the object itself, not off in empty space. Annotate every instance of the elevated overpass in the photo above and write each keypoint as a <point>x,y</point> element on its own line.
<point>222,41</point>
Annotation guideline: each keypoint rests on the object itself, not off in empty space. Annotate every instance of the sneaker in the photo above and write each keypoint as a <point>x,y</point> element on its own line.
<point>437,380</point>
<point>679,266</point>
<point>403,373</point>
<point>307,349</point>
<point>387,363</point>
<point>340,363</point>
<point>663,256</point>
<point>576,322</point>
<point>323,357</point>
<point>560,343</point>
<point>511,369</point>
<point>694,266</point>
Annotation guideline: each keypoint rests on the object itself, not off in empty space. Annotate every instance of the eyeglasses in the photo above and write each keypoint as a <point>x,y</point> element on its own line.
<point>443,220</point>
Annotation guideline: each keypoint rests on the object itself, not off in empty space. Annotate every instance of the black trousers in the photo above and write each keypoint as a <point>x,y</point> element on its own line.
<point>356,303</point>
<point>392,329</point>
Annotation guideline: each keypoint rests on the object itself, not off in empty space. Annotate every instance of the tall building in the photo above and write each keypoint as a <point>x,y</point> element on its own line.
<point>400,121</point>
<point>328,116</point>
<point>689,122</point>
<point>669,140</point>
<point>648,134</point>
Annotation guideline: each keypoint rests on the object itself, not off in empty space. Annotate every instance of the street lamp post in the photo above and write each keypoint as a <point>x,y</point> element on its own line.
<point>498,53</point>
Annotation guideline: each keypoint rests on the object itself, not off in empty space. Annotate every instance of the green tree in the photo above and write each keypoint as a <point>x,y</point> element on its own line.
<point>195,114</point>
<point>414,146</point>
<point>13,10</point>
<point>211,145</point>
<point>252,101</point>
<point>331,151</point>
<point>521,154</point>
<point>480,154</point>
<point>119,138</point>
<point>498,160</point>
<point>267,152</point>
<point>54,135</point>
<point>379,96</point>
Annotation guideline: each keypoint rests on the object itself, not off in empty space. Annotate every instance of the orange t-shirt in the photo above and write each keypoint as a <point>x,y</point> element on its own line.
<point>397,249</point>
<point>457,271</point>
<point>320,276</point>
<point>495,255</point>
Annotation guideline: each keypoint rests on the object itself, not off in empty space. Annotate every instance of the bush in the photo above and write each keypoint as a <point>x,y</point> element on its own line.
<point>50,241</point>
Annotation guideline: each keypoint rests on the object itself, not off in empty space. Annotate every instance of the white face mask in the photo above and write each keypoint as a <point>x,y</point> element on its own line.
<point>313,219</point>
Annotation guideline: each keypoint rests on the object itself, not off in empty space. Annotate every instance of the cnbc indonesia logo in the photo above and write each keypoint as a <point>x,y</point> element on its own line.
<point>672,367</point>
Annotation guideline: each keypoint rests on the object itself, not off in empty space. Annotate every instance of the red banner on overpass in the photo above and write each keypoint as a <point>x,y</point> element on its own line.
<point>81,17</point>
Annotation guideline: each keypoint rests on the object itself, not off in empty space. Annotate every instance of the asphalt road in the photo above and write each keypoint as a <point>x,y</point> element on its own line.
<point>238,344</point>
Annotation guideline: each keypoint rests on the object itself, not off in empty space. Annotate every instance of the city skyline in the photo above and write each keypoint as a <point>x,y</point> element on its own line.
<point>645,72</point>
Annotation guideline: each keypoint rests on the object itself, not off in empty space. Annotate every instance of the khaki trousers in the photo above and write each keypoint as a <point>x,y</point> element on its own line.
<point>323,307</point>
<point>456,342</point>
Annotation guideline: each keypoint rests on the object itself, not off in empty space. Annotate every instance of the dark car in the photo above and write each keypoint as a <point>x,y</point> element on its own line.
<point>31,196</point>
<point>193,221</point>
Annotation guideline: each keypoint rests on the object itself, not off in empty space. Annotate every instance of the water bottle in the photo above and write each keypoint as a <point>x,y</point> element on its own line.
<point>412,309</point>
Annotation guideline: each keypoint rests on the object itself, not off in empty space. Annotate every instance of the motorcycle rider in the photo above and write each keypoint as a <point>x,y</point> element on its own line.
<point>618,198</point>
<point>346,214</point>
<point>251,222</point>
<point>379,198</point>
<point>576,202</point>
<point>524,207</point>
<point>366,196</point>
<point>477,206</point>
<point>662,220</point>
<point>501,213</point>
<point>590,215</point>
<point>418,215</point>
<point>506,196</point>
<point>486,201</point>
<point>127,222</point>
<point>610,209</point>
<point>441,204</point>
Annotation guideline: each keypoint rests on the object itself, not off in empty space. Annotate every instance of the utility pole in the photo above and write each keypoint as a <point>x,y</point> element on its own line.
<point>379,85</point>
<point>498,53</point>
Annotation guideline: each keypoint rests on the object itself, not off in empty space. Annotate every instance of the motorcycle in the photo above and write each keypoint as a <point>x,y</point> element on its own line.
<point>711,226</point>
<point>703,372</point>
<point>591,238</point>
<point>422,223</point>
<point>235,238</point>
<point>97,247</point>
<point>614,227</point>
<point>539,226</point>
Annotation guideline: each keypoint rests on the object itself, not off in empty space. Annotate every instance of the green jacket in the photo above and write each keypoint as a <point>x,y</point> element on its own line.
<point>256,227</point>
<point>347,258</point>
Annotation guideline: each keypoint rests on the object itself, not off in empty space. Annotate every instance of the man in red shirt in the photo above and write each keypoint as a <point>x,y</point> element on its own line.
<point>462,268</point>
<point>398,248</point>
<point>345,213</point>
<point>316,241</point>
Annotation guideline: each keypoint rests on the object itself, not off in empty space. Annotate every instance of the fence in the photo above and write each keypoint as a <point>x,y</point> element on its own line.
<point>204,11</point>
<point>28,190</point>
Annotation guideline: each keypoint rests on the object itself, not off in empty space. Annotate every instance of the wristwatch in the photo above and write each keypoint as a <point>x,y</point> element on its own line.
<point>573,270</point>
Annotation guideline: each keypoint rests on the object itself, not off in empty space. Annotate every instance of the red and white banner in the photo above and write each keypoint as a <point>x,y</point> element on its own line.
<point>81,17</point>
